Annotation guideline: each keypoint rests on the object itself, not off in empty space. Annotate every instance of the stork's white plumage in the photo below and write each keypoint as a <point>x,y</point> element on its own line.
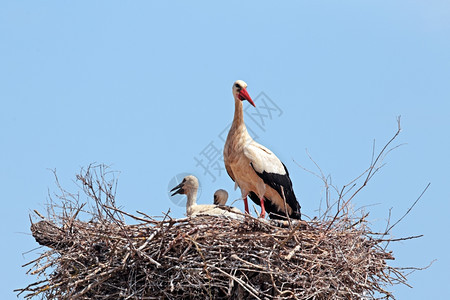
<point>255,169</point>
<point>189,187</point>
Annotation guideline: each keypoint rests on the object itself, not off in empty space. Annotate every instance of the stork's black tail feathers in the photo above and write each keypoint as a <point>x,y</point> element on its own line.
<point>273,211</point>
<point>283,185</point>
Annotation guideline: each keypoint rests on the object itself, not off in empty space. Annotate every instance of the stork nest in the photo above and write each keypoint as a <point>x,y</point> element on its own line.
<point>103,252</point>
<point>210,257</point>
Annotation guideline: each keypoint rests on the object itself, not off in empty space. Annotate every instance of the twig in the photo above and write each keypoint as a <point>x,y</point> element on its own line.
<point>409,209</point>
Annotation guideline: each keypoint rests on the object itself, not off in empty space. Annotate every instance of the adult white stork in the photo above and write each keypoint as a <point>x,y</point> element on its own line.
<point>189,187</point>
<point>255,169</point>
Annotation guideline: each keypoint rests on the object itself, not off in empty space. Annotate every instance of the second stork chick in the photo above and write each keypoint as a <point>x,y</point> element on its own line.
<point>220,199</point>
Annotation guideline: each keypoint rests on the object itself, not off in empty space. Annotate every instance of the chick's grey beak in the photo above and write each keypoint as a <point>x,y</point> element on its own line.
<point>179,191</point>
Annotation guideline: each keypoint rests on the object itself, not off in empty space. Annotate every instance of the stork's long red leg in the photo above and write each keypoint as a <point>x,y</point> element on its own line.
<point>263,210</point>
<point>246,205</point>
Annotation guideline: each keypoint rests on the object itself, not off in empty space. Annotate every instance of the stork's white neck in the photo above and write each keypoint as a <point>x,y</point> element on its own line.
<point>238,125</point>
<point>238,113</point>
<point>191,198</point>
<point>238,133</point>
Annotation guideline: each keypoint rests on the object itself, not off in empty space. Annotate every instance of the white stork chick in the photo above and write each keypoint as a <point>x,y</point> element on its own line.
<point>189,187</point>
<point>220,199</point>
<point>255,169</point>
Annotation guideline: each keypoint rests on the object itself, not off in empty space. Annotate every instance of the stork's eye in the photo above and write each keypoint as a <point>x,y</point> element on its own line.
<point>237,85</point>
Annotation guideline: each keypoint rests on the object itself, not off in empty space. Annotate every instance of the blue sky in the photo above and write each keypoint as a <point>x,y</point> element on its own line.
<point>146,86</point>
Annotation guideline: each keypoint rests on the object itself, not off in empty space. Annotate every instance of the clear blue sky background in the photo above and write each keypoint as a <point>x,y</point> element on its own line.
<point>145,86</point>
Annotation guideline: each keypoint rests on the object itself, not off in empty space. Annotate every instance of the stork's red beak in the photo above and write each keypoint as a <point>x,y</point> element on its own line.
<point>243,95</point>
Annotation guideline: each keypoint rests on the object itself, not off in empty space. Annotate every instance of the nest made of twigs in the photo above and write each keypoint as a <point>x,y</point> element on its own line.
<point>210,257</point>
<point>94,254</point>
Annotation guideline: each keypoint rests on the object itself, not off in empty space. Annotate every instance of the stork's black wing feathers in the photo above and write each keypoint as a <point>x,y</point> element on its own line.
<point>276,181</point>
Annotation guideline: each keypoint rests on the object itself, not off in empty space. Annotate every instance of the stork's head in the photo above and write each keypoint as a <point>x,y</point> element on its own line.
<point>240,91</point>
<point>220,197</point>
<point>189,184</point>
